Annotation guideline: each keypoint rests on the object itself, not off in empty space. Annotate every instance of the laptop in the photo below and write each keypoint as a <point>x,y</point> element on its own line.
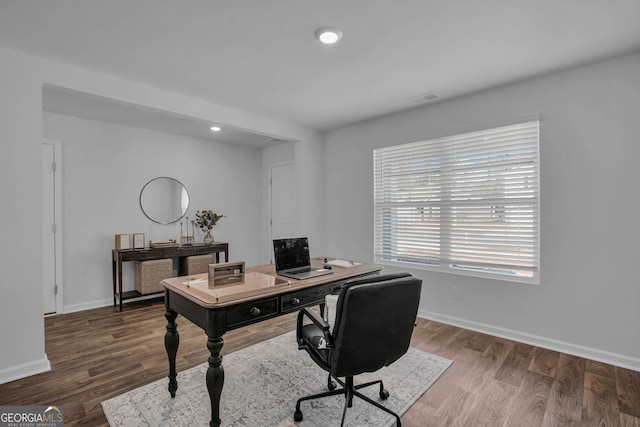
<point>292,259</point>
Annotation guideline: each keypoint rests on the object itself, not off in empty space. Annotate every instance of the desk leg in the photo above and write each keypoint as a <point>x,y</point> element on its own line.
<point>215,378</point>
<point>171,342</point>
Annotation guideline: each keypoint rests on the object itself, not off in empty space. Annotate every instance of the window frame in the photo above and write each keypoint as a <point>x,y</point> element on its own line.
<point>446,263</point>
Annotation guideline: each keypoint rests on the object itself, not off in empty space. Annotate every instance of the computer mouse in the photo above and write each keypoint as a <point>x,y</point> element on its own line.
<point>327,266</point>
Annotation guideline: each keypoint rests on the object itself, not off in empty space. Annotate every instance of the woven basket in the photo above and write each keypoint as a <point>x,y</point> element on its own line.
<point>195,264</point>
<point>149,274</point>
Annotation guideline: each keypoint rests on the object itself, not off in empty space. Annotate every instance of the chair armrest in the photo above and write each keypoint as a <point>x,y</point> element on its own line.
<point>316,319</point>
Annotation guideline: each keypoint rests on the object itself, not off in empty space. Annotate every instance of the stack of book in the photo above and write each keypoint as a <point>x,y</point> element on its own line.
<point>163,243</point>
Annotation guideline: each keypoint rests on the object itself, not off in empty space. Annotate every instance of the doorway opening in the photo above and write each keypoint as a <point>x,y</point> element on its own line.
<point>51,227</point>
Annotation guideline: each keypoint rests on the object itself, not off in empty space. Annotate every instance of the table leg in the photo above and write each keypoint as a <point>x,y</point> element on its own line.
<point>171,342</point>
<point>215,378</point>
<point>113,267</point>
<point>120,282</point>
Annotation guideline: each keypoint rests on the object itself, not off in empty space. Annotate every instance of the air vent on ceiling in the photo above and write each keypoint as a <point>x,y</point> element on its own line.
<point>424,98</point>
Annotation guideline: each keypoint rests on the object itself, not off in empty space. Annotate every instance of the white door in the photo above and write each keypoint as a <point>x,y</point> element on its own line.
<point>284,208</point>
<point>50,189</point>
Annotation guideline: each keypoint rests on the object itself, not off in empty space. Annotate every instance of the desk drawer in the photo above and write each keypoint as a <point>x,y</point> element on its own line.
<point>211,249</point>
<point>251,312</point>
<point>178,252</point>
<point>297,300</point>
<point>140,255</point>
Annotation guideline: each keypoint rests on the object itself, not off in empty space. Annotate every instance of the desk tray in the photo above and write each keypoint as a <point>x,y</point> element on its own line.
<point>235,287</point>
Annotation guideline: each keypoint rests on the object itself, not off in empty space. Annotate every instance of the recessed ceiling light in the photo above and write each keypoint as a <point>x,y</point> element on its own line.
<point>328,35</point>
<point>215,128</point>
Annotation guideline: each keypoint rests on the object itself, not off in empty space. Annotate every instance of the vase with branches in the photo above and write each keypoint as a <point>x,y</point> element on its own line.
<point>206,220</point>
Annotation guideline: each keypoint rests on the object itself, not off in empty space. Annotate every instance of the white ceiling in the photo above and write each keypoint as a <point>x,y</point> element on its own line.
<point>261,56</point>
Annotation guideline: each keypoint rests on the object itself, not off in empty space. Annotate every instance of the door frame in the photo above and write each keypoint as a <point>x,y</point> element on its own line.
<point>57,154</point>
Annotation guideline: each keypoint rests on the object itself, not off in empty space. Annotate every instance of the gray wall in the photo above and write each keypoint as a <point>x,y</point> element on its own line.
<point>588,301</point>
<point>104,167</point>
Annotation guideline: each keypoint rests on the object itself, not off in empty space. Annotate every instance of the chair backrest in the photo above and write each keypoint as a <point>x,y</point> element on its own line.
<point>375,318</point>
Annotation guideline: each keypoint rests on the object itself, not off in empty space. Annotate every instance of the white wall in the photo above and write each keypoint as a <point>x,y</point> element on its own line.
<point>104,168</point>
<point>310,170</point>
<point>21,304</point>
<point>588,301</point>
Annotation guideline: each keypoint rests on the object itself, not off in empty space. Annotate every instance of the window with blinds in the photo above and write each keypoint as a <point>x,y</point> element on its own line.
<point>466,203</point>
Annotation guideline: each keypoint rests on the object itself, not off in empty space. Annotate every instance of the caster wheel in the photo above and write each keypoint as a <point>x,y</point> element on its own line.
<point>297,416</point>
<point>331,385</point>
<point>384,395</point>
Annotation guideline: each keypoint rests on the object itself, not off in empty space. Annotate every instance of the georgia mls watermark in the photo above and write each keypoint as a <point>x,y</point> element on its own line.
<point>31,416</point>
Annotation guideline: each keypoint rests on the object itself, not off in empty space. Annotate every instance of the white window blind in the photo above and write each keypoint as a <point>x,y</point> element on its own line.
<point>466,203</point>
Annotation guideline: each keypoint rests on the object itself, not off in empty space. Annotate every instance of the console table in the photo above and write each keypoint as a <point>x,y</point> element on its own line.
<point>220,311</point>
<point>123,255</point>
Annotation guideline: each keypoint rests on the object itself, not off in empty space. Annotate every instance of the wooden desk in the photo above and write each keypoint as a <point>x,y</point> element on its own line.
<point>123,255</point>
<point>219,315</point>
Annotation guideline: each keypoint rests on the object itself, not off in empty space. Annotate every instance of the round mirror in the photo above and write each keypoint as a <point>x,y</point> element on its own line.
<point>164,200</point>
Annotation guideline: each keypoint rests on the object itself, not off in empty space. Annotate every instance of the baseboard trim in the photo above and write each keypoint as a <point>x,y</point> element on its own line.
<point>25,370</point>
<point>103,303</point>
<point>551,344</point>
<point>87,305</point>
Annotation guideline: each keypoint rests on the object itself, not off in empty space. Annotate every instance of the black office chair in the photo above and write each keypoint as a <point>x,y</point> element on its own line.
<point>374,321</point>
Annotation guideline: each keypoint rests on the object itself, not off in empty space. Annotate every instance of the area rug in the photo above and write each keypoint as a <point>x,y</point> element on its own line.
<point>262,384</point>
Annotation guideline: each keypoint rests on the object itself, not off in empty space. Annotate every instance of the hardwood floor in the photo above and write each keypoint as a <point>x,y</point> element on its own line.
<point>97,354</point>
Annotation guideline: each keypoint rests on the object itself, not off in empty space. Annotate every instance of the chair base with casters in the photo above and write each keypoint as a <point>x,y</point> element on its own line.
<point>349,390</point>
<point>374,320</point>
